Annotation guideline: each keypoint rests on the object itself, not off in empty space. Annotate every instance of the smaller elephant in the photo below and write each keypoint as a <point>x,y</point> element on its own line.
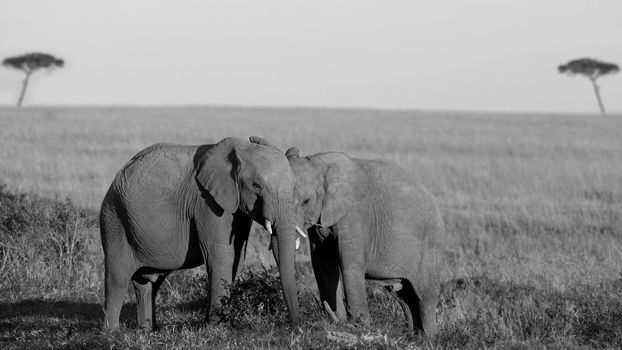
<point>368,219</point>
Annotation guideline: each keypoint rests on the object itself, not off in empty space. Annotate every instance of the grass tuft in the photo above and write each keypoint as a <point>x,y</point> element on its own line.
<point>481,312</point>
<point>45,241</point>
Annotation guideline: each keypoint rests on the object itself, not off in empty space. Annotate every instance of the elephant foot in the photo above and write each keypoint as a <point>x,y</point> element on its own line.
<point>146,327</point>
<point>362,321</point>
<point>146,324</point>
<point>109,326</point>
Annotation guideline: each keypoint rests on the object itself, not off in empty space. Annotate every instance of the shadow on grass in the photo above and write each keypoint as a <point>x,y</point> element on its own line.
<point>51,308</point>
<point>52,321</point>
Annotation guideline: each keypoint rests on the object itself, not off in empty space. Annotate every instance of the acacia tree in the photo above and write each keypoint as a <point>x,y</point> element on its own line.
<point>592,69</point>
<point>30,63</point>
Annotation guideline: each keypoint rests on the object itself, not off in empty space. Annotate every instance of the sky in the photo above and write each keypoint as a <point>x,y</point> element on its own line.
<point>497,55</point>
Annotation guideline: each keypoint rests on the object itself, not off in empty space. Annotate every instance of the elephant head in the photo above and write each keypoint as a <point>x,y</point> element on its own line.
<point>328,185</point>
<point>257,180</point>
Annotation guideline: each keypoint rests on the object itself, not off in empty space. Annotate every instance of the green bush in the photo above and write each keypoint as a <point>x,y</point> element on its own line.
<point>254,298</point>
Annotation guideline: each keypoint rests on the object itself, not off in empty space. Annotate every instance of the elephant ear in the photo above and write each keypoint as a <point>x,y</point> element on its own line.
<point>216,173</point>
<point>261,141</point>
<point>292,152</point>
<point>344,183</point>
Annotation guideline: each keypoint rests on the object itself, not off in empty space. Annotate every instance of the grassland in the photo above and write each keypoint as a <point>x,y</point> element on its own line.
<point>532,205</point>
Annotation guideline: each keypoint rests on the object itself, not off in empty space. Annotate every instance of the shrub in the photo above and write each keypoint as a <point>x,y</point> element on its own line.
<point>253,299</point>
<point>256,299</point>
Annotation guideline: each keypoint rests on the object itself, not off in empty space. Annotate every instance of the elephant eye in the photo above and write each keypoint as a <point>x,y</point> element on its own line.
<point>256,186</point>
<point>305,202</point>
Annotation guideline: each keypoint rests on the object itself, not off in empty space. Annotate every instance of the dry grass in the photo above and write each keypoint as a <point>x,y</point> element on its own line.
<point>532,200</point>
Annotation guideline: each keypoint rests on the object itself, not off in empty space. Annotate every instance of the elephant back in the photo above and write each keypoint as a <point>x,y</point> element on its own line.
<point>151,181</point>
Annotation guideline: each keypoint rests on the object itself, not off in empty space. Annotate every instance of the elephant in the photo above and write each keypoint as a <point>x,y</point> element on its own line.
<point>176,207</point>
<point>369,219</point>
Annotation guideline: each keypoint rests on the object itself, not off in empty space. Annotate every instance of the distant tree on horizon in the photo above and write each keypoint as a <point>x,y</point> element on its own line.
<point>30,63</point>
<point>591,69</point>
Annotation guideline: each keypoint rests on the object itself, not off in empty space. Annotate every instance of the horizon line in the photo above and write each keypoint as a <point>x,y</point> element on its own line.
<point>305,107</point>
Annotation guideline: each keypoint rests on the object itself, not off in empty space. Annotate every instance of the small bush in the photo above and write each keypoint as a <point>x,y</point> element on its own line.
<point>254,298</point>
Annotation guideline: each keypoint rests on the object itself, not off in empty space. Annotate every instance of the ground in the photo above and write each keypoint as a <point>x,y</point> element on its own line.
<point>532,204</point>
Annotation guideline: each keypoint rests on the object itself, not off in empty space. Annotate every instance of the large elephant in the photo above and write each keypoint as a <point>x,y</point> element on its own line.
<point>368,219</point>
<point>175,207</point>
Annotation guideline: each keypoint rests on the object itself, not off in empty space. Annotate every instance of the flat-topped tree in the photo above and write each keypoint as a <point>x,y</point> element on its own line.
<point>30,63</point>
<point>592,69</point>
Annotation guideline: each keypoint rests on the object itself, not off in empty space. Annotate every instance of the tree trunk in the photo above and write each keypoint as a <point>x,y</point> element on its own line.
<point>597,92</point>
<point>24,86</point>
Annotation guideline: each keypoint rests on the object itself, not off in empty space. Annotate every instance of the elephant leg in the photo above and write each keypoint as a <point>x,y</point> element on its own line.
<point>217,290</point>
<point>220,271</point>
<point>325,261</point>
<point>356,295</point>
<point>353,268</point>
<point>421,311</point>
<point>119,265</point>
<point>154,292</point>
<point>146,288</point>
<point>144,309</point>
<point>117,280</point>
<point>353,273</point>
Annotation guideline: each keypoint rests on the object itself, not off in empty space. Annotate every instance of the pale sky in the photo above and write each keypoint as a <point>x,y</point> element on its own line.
<point>496,55</point>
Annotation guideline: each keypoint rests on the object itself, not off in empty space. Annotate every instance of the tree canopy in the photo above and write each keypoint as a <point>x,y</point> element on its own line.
<point>32,61</point>
<point>591,68</point>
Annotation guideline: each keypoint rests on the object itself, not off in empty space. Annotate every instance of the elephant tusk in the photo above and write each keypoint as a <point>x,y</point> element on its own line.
<point>301,232</point>
<point>330,312</point>
<point>297,243</point>
<point>268,226</point>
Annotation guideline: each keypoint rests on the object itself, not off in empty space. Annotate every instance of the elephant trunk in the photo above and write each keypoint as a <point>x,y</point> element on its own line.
<point>283,246</point>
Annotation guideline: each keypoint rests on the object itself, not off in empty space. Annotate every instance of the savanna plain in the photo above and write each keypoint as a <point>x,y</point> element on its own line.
<point>532,203</point>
